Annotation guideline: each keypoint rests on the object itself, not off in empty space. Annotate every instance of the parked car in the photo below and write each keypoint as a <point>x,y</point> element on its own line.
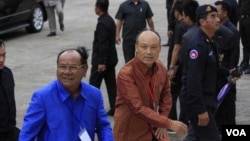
<point>16,14</point>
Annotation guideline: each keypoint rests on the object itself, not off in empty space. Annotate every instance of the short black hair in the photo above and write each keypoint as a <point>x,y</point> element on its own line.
<point>178,7</point>
<point>2,44</point>
<point>225,6</point>
<point>189,9</point>
<point>81,50</point>
<point>83,53</point>
<point>103,5</point>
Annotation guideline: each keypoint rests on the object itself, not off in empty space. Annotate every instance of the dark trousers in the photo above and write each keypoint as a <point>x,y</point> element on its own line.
<point>109,77</point>
<point>203,133</point>
<point>175,91</point>
<point>245,39</point>
<point>11,135</point>
<point>128,46</point>
<point>226,112</point>
<point>170,51</point>
<point>168,18</point>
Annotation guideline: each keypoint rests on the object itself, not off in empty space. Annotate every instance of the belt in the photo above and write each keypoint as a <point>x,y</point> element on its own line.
<point>244,16</point>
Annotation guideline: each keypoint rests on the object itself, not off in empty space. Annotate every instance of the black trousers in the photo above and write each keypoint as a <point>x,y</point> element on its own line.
<point>175,91</point>
<point>245,39</point>
<point>128,47</point>
<point>226,112</point>
<point>109,77</point>
<point>203,133</point>
<point>11,135</point>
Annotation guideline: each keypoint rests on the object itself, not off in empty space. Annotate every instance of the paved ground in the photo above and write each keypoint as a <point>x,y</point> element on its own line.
<point>32,57</point>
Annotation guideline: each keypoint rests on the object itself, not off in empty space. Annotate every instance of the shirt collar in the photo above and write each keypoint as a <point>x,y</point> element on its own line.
<point>104,14</point>
<point>143,68</point>
<point>226,23</point>
<point>131,2</point>
<point>64,94</point>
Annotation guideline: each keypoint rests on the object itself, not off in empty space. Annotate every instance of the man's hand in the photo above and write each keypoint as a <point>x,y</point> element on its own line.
<point>203,119</point>
<point>160,133</point>
<point>170,33</point>
<point>118,40</point>
<point>179,127</point>
<point>236,74</point>
<point>232,70</point>
<point>171,74</point>
<point>101,67</point>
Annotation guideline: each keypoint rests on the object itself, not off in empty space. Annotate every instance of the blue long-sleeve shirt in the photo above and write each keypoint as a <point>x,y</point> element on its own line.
<point>53,115</point>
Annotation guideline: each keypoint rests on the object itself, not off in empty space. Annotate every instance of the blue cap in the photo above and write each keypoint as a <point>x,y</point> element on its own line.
<point>205,9</point>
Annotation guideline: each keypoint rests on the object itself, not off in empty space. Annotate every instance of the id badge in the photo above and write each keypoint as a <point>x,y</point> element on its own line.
<point>83,135</point>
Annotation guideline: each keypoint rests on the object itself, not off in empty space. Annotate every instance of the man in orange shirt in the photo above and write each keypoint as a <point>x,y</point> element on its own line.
<point>143,95</point>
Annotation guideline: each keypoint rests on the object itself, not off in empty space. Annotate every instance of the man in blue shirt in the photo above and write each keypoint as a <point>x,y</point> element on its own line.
<point>68,107</point>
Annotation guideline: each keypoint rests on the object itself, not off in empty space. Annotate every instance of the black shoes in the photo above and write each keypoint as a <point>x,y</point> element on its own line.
<point>247,71</point>
<point>111,113</point>
<point>51,34</point>
<point>245,67</point>
<point>62,27</point>
<point>54,33</point>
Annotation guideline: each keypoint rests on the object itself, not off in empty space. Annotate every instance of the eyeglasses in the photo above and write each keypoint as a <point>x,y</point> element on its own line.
<point>72,68</point>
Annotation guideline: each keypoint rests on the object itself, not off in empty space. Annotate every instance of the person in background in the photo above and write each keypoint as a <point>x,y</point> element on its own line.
<point>169,5</point>
<point>244,23</point>
<point>132,16</point>
<point>188,19</point>
<point>226,112</point>
<point>172,23</point>
<point>8,130</point>
<point>174,70</point>
<point>143,95</point>
<point>234,11</point>
<point>67,109</point>
<point>104,54</point>
<point>200,70</point>
<point>51,6</point>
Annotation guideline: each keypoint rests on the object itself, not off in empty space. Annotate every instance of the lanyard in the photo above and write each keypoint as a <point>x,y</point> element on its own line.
<point>150,89</point>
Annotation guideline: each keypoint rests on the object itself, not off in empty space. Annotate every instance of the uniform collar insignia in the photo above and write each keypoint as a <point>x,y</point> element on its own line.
<point>207,40</point>
<point>210,53</point>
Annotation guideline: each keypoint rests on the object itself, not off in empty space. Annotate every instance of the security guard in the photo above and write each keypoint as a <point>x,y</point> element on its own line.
<point>200,72</point>
<point>226,112</point>
<point>245,33</point>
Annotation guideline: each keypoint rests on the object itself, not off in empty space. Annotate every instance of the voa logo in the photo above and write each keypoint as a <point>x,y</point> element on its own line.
<point>236,132</point>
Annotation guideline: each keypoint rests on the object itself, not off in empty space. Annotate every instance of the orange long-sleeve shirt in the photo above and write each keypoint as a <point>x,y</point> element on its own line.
<point>134,118</point>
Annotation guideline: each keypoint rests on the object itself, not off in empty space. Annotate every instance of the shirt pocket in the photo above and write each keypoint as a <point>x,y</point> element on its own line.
<point>211,59</point>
